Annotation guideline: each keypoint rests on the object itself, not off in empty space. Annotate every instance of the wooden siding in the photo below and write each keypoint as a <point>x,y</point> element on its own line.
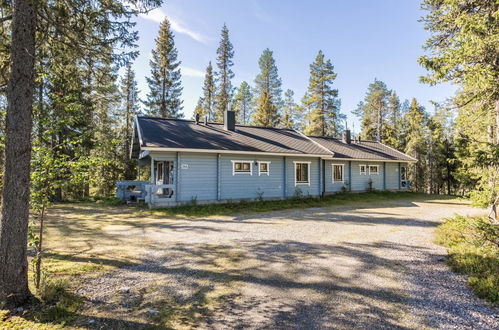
<point>314,189</point>
<point>250,186</point>
<point>360,182</point>
<point>336,186</point>
<point>208,177</point>
<point>197,176</point>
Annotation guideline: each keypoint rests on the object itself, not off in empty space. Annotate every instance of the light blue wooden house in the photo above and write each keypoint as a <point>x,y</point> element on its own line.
<point>214,163</point>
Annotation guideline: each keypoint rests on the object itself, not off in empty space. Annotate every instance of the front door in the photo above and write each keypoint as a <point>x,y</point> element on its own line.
<point>165,175</point>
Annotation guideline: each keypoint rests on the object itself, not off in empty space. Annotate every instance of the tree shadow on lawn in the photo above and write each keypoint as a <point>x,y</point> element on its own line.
<point>285,284</point>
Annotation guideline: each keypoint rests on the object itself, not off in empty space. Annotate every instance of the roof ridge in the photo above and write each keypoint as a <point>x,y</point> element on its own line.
<point>214,123</point>
<point>315,142</point>
<point>400,152</point>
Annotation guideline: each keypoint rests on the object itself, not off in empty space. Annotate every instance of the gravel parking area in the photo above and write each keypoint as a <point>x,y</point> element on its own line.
<point>369,267</point>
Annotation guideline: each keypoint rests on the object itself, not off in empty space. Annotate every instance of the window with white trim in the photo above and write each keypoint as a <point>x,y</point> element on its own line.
<point>302,173</point>
<point>264,168</point>
<point>363,169</point>
<point>241,167</point>
<point>374,169</point>
<point>338,172</point>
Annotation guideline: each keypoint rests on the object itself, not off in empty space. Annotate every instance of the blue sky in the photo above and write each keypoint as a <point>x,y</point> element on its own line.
<point>364,39</point>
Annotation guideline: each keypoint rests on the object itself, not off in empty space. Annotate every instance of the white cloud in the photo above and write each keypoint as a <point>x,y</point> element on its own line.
<point>190,72</point>
<point>157,15</point>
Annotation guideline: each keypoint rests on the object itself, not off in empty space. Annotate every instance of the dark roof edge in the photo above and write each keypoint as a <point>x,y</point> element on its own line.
<point>139,131</point>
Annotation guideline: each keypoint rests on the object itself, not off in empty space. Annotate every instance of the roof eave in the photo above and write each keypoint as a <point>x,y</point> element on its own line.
<point>240,152</point>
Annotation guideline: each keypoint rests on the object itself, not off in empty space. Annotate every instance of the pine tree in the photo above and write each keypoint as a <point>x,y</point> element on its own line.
<point>198,110</point>
<point>266,113</point>
<point>462,49</point>
<point>243,103</point>
<point>208,98</point>
<point>165,81</point>
<point>225,53</point>
<point>417,144</point>
<point>392,127</point>
<point>373,111</point>
<point>129,109</point>
<point>268,81</point>
<point>290,115</point>
<point>321,99</point>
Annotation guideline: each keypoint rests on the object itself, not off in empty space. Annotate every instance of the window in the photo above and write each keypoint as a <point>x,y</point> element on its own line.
<point>241,167</point>
<point>403,173</point>
<point>363,169</point>
<point>338,172</point>
<point>302,173</point>
<point>263,168</point>
<point>374,169</point>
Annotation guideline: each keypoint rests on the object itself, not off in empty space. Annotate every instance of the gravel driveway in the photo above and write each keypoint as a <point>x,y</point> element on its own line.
<point>370,267</point>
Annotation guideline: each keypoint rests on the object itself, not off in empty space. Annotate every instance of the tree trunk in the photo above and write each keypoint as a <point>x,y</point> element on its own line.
<point>15,207</point>
<point>497,121</point>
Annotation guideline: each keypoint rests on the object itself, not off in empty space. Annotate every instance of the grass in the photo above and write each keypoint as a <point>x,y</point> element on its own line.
<point>473,246</point>
<point>257,206</point>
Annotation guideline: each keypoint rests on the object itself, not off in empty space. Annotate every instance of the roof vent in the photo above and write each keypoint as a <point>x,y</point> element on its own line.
<point>230,120</point>
<point>197,118</point>
<point>346,138</point>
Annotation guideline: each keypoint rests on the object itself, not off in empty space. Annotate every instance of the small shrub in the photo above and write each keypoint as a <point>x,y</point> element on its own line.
<point>370,187</point>
<point>194,200</point>
<point>259,194</point>
<point>61,305</point>
<point>298,193</point>
<point>473,246</point>
<point>482,198</point>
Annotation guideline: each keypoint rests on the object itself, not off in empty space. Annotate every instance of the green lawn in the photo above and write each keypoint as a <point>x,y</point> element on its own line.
<point>247,207</point>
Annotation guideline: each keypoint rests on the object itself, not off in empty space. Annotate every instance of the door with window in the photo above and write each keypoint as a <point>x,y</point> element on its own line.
<point>165,175</point>
<point>404,177</point>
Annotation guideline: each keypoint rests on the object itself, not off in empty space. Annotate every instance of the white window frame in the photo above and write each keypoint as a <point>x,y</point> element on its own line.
<point>365,169</point>
<point>242,161</point>
<point>342,172</point>
<point>268,168</point>
<point>369,168</point>
<point>308,174</point>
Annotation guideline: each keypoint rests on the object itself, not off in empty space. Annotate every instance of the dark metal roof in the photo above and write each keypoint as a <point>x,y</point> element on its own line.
<point>186,134</point>
<point>365,150</point>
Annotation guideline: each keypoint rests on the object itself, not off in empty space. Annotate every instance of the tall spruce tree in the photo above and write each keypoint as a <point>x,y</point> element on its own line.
<point>392,128</point>
<point>462,49</point>
<point>243,103</point>
<point>129,109</point>
<point>290,113</point>
<point>321,100</point>
<point>225,53</point>
<point>417,145</point>
<point>165,81</point>
<point>373,111</point>
<point>208,98</point>
<point>265,114</point>
<point>268,81</point>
